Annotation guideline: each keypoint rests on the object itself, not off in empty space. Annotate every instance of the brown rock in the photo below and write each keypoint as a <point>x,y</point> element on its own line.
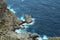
<point>28,18</point>
<point>9,22</point>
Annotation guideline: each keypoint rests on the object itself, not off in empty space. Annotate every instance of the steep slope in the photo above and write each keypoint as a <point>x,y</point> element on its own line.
<point>8,24</point>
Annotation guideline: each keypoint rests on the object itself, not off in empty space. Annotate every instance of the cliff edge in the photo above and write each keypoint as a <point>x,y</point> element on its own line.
<point>9,23</point>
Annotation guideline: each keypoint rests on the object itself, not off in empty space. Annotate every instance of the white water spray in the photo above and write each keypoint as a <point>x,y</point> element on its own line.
<point>43,38</point>
<point>20,31</point>
<point>11,9</point>
<point>25,25</point>
<point>22,0</point>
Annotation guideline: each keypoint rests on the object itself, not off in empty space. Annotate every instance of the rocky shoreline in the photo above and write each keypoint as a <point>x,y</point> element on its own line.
<point>9,22</point>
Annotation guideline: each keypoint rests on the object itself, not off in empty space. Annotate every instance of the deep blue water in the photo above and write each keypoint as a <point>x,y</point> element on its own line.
<point>46,12</point>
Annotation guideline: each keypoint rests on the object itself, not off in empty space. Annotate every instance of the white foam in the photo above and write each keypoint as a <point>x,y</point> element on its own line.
<point>39,38</point>
<point>45,37</point>
<point>11,9</point>
<point>20,31</point>
<point>22,18</point>
<point>26,25</point>
<point>22,0</point>
<point>33,21</point>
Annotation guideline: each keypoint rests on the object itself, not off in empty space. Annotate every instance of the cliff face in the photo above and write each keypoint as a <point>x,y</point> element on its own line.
<point>8,24</point>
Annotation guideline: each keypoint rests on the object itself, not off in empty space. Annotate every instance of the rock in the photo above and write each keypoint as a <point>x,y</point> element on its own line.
<point>3,8</point>
<point>9,22</point>
<point>28,18</point>
<point>34,36</point>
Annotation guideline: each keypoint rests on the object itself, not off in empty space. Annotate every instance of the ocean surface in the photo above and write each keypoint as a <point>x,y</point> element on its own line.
<point>45,12</point>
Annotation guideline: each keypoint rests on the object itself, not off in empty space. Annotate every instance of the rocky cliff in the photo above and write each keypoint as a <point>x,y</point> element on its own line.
<point>9,23</point>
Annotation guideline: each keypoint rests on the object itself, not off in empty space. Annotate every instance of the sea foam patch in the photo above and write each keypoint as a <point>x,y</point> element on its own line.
<point>22,18</point>
<point>20,31</point>
<point>43,38</point>
<point>11,9</point>
<point>22,0</point>
<point>26,25</point>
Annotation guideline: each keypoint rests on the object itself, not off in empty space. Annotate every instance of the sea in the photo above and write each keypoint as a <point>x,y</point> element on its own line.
<point>45,12</point>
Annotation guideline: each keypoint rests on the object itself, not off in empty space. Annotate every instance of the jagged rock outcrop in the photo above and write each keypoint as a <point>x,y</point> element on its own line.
<point>9,22</point>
